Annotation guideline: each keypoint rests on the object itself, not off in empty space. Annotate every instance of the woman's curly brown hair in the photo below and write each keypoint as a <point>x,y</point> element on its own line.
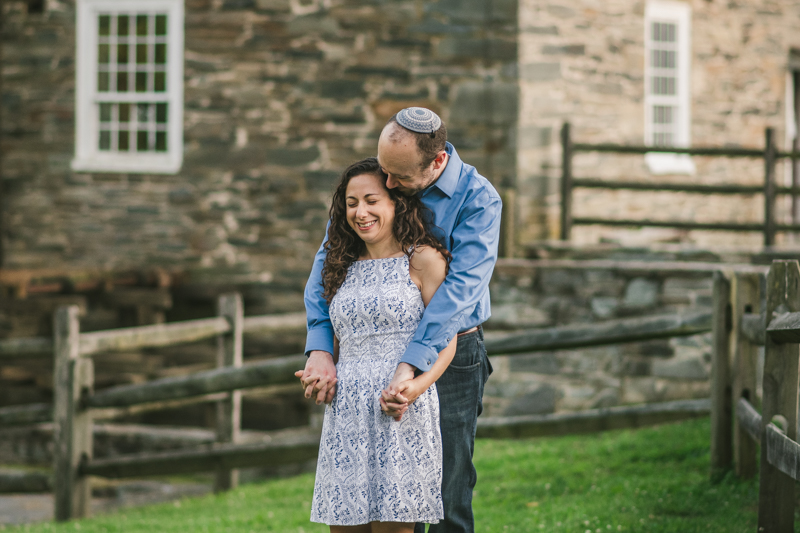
<point>411,228</point>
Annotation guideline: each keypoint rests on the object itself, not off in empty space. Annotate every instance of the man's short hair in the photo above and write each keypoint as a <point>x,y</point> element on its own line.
<point>428,144</point>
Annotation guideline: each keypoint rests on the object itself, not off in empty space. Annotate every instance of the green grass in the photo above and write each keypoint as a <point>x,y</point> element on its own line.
<point>653,479</point>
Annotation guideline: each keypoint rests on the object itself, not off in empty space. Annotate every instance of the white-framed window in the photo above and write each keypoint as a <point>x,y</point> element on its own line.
<point>129,86</point>
<point>667,100</point>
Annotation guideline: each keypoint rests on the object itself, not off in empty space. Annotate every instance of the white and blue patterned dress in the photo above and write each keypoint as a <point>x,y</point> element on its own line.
<point>371,467</point>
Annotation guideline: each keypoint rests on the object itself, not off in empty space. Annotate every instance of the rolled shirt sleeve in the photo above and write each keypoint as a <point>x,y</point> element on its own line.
<point>462,301</point>
<point>318,323</point>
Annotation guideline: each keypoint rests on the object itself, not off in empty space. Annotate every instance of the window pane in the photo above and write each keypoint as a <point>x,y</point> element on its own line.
<point>124,140</point>
<point>161,113</point>
<point>103,55</point>
<point>160,82</point>
<point>122,82</point>
<point>102,81</point>
<point>124,112</point>
<point>122,25</point>
<point>105,112</point>
<point>105,140</point>
<point>142,114</point>
<point>104,25</point>
<point>141,82</point>
<point>141,53</point>
<point>161,53</point>
<point>161,24</point>
<point>122,54</point>
<point>161,141</point>
<point>141,25</point>
<point>141,141</point>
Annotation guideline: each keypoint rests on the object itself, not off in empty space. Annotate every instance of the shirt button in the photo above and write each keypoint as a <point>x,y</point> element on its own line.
<point>429,362</point>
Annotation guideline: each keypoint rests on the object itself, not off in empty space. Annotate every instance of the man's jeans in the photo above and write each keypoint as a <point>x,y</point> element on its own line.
<point>460,402</point>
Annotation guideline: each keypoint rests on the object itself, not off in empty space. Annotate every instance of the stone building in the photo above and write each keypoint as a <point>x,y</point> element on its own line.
<point>191,146</point>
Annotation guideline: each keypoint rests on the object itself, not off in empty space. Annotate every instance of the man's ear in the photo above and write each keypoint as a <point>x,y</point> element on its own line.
<point>438,162</point>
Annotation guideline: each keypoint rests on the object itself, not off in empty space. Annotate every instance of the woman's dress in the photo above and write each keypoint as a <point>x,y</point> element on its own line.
<point>371,467</point>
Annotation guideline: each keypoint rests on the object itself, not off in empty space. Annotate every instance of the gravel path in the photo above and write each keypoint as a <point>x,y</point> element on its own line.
<point>28,508</point>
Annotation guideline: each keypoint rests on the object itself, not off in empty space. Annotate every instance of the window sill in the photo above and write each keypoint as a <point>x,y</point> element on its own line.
<point>139,164</point>
<point>666,163</point>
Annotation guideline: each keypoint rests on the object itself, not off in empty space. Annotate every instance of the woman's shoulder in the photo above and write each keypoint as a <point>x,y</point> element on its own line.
<point>426,258</point>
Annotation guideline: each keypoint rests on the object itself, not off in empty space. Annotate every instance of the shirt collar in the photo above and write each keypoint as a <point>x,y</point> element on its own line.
<point>448,179</point>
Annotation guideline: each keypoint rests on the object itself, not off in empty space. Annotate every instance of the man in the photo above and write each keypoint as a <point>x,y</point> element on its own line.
<point>414,153</point>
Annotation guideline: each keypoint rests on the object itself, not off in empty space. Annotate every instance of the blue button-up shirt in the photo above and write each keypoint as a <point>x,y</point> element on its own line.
<point>466,211</point>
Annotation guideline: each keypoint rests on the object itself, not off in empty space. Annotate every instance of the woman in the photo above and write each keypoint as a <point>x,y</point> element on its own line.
<point>374,473</point>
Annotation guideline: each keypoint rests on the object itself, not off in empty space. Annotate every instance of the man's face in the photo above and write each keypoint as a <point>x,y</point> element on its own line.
<point>400,159</point>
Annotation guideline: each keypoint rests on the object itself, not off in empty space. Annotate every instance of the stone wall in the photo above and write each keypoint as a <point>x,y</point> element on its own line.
<point>280,96</point>
<point>583,62</point>
<point>578,379</point>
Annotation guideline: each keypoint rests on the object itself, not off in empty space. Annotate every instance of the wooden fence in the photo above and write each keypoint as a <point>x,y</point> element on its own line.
<point>769,189</point>
<point>76,404</point>
<point>734,438</point>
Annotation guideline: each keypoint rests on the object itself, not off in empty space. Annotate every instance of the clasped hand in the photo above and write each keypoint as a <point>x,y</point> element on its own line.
<point>401,392</point>
<point>319,382</point>
<point>319,377</point>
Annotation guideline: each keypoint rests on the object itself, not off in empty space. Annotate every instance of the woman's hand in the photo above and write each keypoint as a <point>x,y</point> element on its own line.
<point>319,377</point>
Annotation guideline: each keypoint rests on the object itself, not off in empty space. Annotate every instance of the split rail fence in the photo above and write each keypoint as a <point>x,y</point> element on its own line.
<point>76,403</point>
<point>776,326</point>
<point>735,322</point>
<point>770,154</point>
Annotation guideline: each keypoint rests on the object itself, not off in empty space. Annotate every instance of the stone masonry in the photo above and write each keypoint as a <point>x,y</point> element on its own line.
<point>280,96</point>
<point>583,62</point>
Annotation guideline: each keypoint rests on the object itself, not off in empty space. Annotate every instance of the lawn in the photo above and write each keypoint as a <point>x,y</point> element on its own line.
<point>653,479</point>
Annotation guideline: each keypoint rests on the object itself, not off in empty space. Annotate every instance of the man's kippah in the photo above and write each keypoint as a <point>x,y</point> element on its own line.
<point>419,119</point>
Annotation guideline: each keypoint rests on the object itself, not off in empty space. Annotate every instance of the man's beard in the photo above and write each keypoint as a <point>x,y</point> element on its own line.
<point>427,180</point>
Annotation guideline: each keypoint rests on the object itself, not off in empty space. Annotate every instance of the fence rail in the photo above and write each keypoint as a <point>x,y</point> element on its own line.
<point>770,226</point>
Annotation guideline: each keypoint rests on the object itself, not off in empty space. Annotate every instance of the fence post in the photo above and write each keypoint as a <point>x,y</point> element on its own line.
<point>721,407</point>
<point>73,378</point>
<point>566,182</point>
<point>229,410</point>
<point>780,384</point>
<point>746,299</point>
<point>770,157</point>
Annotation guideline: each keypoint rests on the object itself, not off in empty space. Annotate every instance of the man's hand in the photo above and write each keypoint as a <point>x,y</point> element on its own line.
<point>319,377</point>
<point>395,398</point>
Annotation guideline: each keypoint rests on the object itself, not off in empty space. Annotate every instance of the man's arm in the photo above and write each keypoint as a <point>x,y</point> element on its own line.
<point>319,375</point>
<point>475,239</point>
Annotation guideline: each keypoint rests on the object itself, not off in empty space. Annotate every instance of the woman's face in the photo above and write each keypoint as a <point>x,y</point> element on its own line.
<point>370,210</point>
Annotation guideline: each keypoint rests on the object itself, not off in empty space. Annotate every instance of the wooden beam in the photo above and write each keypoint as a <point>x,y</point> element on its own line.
<point>721,386</point>
<point>677,224</point>
<point>10,348</point>
<point>229,409</point>
<point>152,336</point>
<point>749,420</point>
<point>73,379</point>
<point>746,303</point>
<point>270,372</point>
<point>785,328</point>
<point>295,449</point>
<point>20,415</point>
<point>566,182</point>
<point>698,150</point>
<point>25,482</point>
<point>752,328</point>
<point>600,334</point>
<point>591,420</point>
<point>277,323</point>
<point>780,393</point>
<point>628,267</point>
<point>782,452</point>
<point>594,183</point>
